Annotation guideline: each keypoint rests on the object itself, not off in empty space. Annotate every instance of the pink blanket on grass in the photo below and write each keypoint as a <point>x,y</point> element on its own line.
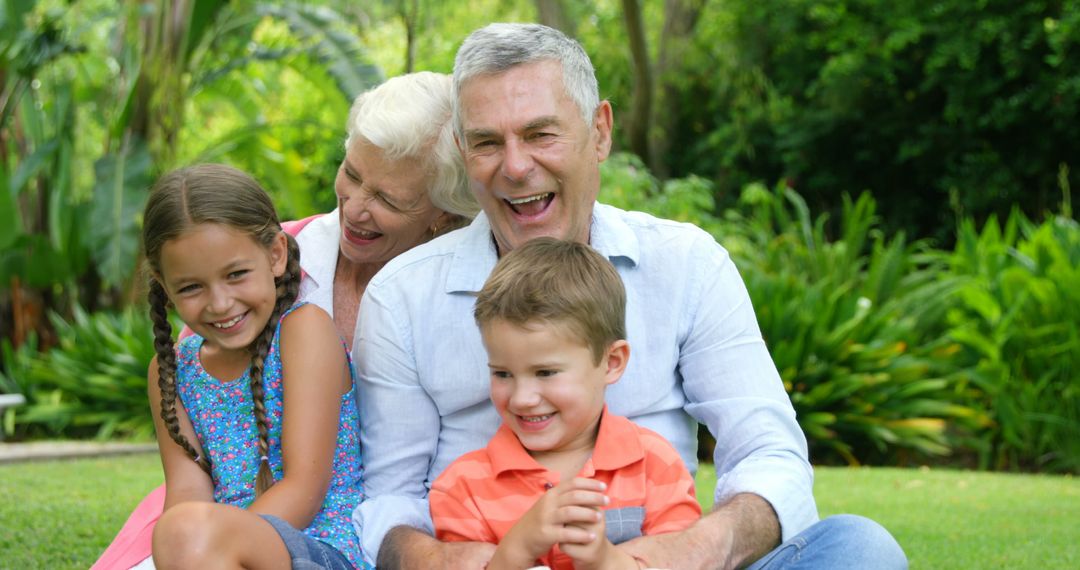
<point>132,544</point>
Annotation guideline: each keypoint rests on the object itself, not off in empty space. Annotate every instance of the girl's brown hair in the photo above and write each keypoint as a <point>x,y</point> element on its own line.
<point>180,201</point>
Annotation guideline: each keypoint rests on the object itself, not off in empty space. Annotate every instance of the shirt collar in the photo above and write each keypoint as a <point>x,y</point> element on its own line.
<point>612,236</point>
<point>474,257</point>
<point>475,254</point>
<point>617,445</point>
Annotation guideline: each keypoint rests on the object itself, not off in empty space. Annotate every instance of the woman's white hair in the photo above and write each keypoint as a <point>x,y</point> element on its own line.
<point>409,117</point>
<point>496,48</point>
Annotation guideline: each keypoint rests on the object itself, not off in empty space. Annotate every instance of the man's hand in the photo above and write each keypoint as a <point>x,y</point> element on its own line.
<point>406,547</point>
<point>560,516</point>
<point>734,535</point>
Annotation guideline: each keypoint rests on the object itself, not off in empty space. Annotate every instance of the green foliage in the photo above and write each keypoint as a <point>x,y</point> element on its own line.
<point>99,98</point>
<point>627,184</point>
<point>273,100</point>
<point>438,28</point>
<point>335,47</point>
<point>957,106</point>
<point>1018,318</point>
<point>92,384</point>
<point>851,324</point>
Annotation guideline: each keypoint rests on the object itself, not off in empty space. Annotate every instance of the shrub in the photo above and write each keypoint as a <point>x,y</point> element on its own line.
<point>629,185</point>
<point>1017,316</point>
<point>850,323</point>
<point>92,384</point>
<point>951,103</point>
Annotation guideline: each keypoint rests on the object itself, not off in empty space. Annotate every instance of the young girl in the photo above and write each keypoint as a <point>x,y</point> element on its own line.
<point>255,413</point>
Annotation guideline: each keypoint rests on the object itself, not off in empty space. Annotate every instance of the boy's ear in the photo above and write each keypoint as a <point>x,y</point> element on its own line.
<point>616,359</point>
<point>279,254</point>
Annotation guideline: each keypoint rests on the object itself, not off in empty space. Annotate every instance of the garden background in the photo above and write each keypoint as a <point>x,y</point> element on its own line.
<point>893,180</point>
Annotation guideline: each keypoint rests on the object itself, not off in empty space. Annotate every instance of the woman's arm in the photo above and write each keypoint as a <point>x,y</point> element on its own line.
<point>315,374</point>
<point>184,479</point>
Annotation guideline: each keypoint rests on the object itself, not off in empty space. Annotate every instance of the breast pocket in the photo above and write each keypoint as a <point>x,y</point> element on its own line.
<point>624,524</point>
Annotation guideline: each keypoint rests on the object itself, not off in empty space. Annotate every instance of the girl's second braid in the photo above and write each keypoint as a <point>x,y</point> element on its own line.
<point>288,287</point>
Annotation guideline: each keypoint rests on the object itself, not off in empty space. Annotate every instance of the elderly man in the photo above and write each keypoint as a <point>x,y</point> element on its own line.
<point>533,133</point>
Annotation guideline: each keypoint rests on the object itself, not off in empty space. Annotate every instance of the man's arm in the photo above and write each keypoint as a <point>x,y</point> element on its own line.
<point>405,547</point>
<point>399,423</point>
<point>734,535</point>
<point>764,480</point>
<point>399,431</point>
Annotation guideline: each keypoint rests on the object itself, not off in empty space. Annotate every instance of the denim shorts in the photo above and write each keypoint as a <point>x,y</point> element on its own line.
<point>308,553</point>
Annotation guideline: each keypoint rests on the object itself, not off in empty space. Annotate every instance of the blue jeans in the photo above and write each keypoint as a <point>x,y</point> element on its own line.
<point>308,553</point>
<point>840,541</point>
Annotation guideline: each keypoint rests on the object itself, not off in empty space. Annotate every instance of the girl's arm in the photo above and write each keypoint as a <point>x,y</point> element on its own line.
<point>184,479</point>
<point>315,374</point>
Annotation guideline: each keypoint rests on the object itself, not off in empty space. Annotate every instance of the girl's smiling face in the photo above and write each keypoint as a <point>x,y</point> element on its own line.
<point>221,282</point>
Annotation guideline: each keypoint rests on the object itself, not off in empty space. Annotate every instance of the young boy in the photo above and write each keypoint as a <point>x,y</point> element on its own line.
<point>563,480</point>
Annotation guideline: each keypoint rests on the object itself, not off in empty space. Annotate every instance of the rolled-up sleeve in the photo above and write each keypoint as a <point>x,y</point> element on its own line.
<point>732,386</point>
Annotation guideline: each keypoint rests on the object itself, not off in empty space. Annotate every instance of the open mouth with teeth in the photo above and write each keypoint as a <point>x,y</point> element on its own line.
<point>534,423</point>
<point>228,324</point>
<point>531,205</point>
<point>360,236</point>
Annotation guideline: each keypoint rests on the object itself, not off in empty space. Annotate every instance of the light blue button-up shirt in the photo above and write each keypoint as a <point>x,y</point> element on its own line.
<point>696,353</point>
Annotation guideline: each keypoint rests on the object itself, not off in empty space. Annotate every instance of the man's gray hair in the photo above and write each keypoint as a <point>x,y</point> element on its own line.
<point>409,117</point>
<point>496,48</point>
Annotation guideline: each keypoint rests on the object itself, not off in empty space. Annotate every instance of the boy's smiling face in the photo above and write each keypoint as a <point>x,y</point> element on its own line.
<point>547,386</point>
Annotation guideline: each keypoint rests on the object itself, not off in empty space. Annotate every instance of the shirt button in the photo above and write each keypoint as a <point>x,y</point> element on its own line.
<point>548,485</point>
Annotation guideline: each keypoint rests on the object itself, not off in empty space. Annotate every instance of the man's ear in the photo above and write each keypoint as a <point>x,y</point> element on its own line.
<point>615,360</point>
<point>279,254</point>
<point>603,122</point>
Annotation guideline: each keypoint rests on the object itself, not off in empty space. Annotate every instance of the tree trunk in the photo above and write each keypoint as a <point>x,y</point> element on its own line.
<point>552,13</point>
<point>641,106</point>
<point>410,13</point>
<point>680,18</point>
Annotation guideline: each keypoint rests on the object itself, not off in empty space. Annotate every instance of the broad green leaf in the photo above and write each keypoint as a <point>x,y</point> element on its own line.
<point>120,191</point>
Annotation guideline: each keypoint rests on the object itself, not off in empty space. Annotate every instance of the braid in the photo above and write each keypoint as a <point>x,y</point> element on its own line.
<point>166,358</point>
<point>288,287</point>
<point>218,194</point>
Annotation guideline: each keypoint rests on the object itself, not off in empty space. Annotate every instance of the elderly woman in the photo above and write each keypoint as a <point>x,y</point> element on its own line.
<point>400,184</point>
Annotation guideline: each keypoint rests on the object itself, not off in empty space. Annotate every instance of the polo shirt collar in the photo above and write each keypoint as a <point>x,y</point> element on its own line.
<point>617,445</point>
<point>475,254</point>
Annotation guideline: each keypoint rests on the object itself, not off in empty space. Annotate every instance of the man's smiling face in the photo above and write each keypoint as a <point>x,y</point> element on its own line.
<point>533,163</point>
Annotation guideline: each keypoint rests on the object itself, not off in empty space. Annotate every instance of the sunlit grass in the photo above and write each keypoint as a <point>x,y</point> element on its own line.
<point>62,514</point>
<point>956,519</point>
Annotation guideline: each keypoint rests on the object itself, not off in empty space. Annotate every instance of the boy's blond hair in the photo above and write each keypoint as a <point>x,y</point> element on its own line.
<point>559,282</point>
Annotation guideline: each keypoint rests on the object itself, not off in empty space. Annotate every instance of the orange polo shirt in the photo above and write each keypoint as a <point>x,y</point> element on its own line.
<point>483,494</point>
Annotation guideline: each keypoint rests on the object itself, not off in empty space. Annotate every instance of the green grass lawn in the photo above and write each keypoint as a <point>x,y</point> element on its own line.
<point>62,514</point>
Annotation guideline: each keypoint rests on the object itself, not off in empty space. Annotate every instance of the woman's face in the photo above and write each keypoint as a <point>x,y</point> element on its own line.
<point>383,205</point>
